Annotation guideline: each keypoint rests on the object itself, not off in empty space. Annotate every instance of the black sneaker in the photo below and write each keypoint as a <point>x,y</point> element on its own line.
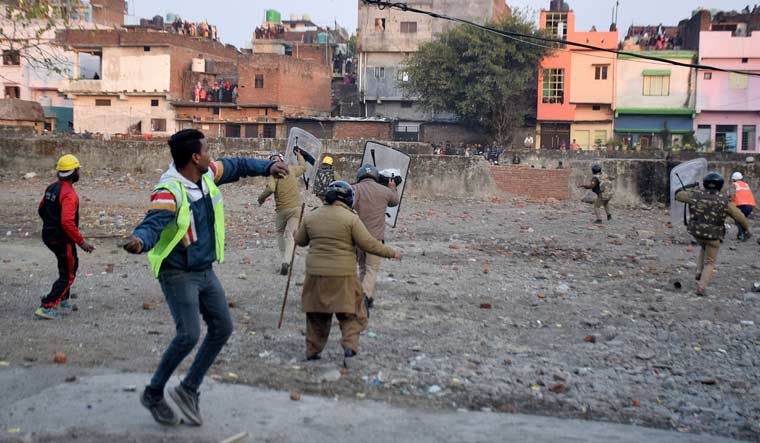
<point>284,269</point>
<point>188,403</point>
<point>698,277</point>
<point>159,409</point>
<point>598,222</point>
<point>609,217</point>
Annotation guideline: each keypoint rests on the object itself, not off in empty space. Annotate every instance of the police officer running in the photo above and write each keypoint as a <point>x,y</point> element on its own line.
<point>602,186</point>
<point>371,201</point>
<point>708,210</point>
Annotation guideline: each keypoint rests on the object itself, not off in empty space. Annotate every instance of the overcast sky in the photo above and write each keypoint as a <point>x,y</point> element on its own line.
<point>236,19</point>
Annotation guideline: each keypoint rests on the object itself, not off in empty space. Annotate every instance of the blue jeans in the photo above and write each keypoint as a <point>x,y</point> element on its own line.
<point>189,293</point>
<point>746,210</point>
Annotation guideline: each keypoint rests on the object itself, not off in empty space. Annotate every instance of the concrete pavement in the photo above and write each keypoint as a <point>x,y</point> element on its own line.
<point>36,404</point>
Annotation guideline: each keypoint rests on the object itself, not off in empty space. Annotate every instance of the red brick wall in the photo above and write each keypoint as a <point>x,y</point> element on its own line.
<point>348,130</point>
<point>108,12</point>
<point>533,183</point>
<point>299,87</point>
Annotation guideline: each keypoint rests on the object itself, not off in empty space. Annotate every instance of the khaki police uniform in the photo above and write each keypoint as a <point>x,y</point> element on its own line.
<point>333,234</point>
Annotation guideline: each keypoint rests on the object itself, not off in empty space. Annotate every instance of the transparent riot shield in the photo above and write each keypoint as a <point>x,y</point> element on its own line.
<point>311,150</point>
<point>391,163</point>
<point>686,173</point>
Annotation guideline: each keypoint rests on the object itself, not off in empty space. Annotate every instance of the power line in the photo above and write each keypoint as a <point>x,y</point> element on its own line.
<point>381,4</point>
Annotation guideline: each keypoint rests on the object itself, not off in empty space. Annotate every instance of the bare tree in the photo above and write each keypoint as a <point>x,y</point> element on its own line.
<point>27,32</point>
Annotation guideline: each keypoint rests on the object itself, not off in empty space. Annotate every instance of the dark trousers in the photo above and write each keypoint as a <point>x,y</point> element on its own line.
<point>191,294</point>
<point>746,210</point>
<point>66,253</point>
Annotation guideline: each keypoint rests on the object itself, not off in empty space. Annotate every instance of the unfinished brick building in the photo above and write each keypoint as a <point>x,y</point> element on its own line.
<point>154,82</point>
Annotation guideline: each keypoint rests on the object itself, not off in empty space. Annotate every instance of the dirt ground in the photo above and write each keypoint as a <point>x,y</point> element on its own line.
<point>502,305</point>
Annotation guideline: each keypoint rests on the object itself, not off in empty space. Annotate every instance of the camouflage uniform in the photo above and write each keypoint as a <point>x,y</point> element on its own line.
<point>708,214</point>
<point>603,187</point>
<point>325,175</point>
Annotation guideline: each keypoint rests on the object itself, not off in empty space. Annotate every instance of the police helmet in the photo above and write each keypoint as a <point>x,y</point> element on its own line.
<point>713,181</point>
<point>340,191</point>
<point>736,176</point>
<point>596,169</point>
<point>368,171</point>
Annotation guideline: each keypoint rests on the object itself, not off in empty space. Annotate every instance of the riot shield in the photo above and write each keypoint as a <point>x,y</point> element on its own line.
<point>686,173</point>
<point>391,163</point>
<point>311,150</point>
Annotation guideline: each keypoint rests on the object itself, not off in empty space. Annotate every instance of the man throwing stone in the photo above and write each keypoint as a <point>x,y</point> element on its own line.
<point>183,234</point>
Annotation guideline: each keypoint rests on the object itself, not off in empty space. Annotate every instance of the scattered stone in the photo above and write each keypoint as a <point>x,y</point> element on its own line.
<point>558,388</point>
<point>329,376</point>
<point>562,289</point>
<point>589,339</point>
<point>70,379</point>
<point>747,323</point>
<point>147,306</point>
<point>129,388</point>
<point>592,322</point>
<point>485,306</point>
<point>434,389</point>
<point>59,358</point>
<point>295,396</point>
<point>30,175</point>
<point>645,355</point>
<point>109,268</point>
<point>636,403</point>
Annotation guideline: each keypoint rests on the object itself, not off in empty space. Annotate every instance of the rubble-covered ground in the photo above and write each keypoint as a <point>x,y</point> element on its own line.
<point>503,304</point>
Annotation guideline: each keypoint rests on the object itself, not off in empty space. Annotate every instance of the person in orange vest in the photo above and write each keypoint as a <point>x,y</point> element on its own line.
<point>742,198</point>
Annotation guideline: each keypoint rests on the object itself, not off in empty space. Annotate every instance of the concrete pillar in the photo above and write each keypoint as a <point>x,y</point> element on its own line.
<point>75,70</point>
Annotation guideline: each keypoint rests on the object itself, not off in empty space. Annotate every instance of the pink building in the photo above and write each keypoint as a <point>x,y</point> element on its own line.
<point>728,105</point>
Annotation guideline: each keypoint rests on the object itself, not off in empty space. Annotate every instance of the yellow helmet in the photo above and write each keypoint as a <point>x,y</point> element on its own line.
<point>327,160</point>
<point>67,163</point>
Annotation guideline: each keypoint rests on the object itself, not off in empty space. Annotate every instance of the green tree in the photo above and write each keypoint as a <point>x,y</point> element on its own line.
<point>484,78</point>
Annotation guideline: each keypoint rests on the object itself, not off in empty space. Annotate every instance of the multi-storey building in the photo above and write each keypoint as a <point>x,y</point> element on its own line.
<point>728,106</point>
<point>575,86</point>
<point>33,67</point>
<point>155,82</point>
<point>386,37</point>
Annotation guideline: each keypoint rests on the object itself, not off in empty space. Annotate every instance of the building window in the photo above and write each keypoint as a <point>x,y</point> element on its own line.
<point>556,24</point>
<point>216,110</point>
<point>146,48</point>
<point>553,86</point>
<point>270,131</point>
<point>158,125</point>
<point>745,60</point>
<point>725,138</point>
<point>154,103</point>
<point>408,27</point>
<point>251,131</point>
<point>12,92</point>
<point>259,81</point>
<point>402,76</point>
<point>11,57</point>
<point>406,104</point>
<point>232,131</point>
<point>749,133</point>
<point>600,72</point>
<point>596,107</point>
<point>102,102</point>
<point>379,72</point>
<point>656,85</point>
<point>379,25</point>
<point>738,81</point>
<point>708,75</point>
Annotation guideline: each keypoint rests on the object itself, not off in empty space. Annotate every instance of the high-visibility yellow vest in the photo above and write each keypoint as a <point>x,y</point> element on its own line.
<point>172,234</point>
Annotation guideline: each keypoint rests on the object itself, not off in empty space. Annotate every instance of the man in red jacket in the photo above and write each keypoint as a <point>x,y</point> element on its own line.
<point>59,210</point>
